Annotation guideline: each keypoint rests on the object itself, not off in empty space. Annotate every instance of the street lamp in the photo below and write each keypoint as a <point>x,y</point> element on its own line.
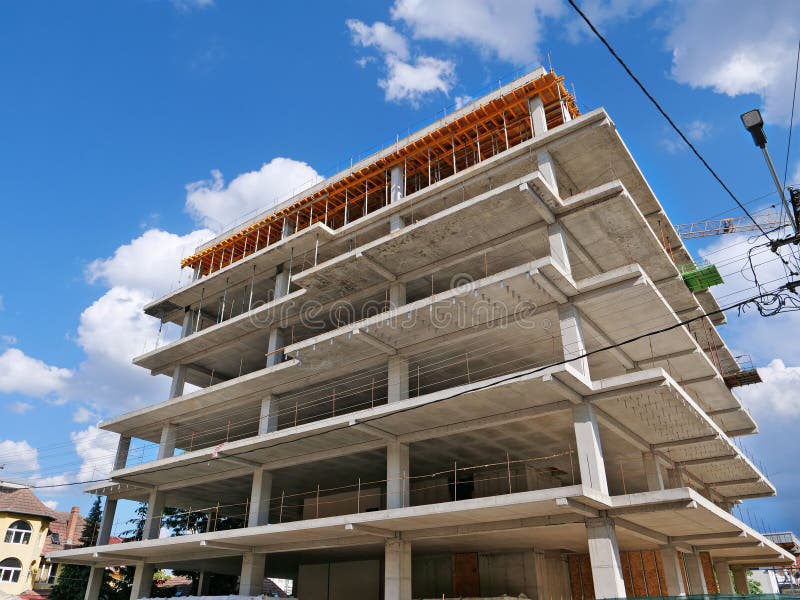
<point>754,123</point>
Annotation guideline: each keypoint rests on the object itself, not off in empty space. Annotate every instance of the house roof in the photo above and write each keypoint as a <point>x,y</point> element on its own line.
<point>59,527</point>
<point>23,501</point>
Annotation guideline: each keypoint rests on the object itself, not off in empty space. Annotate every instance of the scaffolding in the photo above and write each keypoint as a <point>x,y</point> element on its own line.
<point>471,137</point>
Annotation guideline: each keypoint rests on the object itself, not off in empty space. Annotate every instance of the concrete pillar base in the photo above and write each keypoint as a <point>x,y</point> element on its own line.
<point>740,580</point>
<point>723,572</point>
<point>95,583</point>
<point>397,489</point>
<point>673,578</point>
<point>694,573</point>
<point>260,494</point>
<point>589,451</point>
<point>155,510</point>
<point>109,511</point>
<point>604,558</point>
<point>142,581</point>
<point>397,570</point>
<point>251,580</point>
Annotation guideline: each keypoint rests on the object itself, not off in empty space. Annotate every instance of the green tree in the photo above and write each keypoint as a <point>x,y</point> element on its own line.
<point>73,579</point>
<point>753,586</point>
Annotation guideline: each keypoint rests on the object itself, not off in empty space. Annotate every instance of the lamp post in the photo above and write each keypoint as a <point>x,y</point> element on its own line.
<point>754,123</point>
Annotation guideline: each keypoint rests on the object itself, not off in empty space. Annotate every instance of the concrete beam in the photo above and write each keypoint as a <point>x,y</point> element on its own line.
<point>478,528</point>
<point>649,508</point>
<point>708,460</point>
<point>375,342</point>
<point>370,530</point>
<point>542,208</point>
<point>699,537</point>
<point>645,533</point>
<point>686,442</point>
<point>577,507</point>
<point>377,267</point>
<point>376,432</point>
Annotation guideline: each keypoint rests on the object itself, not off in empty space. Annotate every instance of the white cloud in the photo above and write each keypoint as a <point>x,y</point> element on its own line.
<point>379,35</point>
<point>161,252</point>
<point>752,49</point>
<point>17,458</point>
<point>82,415</point>
<point>606,12</point>
<point>410,82</point>
<point>461,101</point>
<point>51,504</point>
<point>406,79</point>
<point>190,5</point>
<point>97,449</point>
<point>8,340</point>
<point>214,205</point>
<point>22,374</point>
<point>509,29</point>
<point>777,398</point>
<point>19,408</point>
<point>698,130</point>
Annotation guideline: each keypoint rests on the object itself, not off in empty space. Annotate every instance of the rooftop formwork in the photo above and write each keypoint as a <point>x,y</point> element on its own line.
<point>438,373</point>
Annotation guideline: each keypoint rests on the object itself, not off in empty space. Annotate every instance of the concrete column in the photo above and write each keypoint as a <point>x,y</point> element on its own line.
<point>397,467</point>
<point>397,570</point>
<point>694,574</point>
<point>94,584</point>
<point>155,510</point>
<point>397,294</point>
<point>186,326</point>
<point>397,378</point>
<point>281,282</point>
<point>558,246</point>
<point>107,522</point>
<point>142,580</point>
<point>740,580</point>
<point>123,447</point>
<point>675,477</point>
<point>260,493</point>
<point>652,470</point>
<point>723,572</point>
<point>288,228</point>
<point>166,446</point>
<point>397,192</point>
<point>538,117</point>
<point>251,580</point>
<point>588,448</point>
<point>178,381</point>
<point>572,338</point>
<point>276,342</point>
<point>268,417</point>
<point>202,583</point>
<point>673,567</point>
<point>604,559</point>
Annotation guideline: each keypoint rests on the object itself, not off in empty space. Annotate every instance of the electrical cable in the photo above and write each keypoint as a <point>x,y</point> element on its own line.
<point>666,116</point>
<point>772,297</point>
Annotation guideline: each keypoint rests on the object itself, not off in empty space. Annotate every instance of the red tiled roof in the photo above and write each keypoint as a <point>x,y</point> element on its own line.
<point>59,526</point>
<point>23,501</point>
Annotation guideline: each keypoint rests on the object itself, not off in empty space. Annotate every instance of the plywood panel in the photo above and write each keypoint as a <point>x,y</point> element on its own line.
<point>466,580</point>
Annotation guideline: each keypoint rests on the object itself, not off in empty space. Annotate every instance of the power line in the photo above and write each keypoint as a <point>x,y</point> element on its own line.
<point>791,119</point>
<point>769,296</point>
<point>665,115</point>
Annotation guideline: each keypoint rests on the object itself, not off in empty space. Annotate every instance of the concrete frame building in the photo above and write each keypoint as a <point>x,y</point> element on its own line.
<point>458,368</point>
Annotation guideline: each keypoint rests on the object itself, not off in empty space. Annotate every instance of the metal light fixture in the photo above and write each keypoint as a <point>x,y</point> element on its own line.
<point>754,123</point>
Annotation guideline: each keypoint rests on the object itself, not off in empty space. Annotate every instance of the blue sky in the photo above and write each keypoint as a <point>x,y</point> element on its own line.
<point>131,131</point>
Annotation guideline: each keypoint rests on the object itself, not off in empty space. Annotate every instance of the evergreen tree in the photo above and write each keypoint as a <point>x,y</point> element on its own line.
<point>73,579</point>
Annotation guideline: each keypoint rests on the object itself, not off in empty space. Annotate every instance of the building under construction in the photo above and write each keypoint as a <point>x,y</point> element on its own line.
<point>472,364</point>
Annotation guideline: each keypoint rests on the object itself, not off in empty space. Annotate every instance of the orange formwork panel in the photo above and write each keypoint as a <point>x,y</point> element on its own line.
<point>501,123</point>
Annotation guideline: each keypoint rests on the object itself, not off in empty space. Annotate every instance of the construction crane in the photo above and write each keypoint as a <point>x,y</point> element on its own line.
<point>742,224</point>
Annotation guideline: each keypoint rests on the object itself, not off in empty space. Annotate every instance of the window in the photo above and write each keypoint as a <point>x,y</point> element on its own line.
<point>10,569</point>
<point>19,532</point>
<point>55,538</point>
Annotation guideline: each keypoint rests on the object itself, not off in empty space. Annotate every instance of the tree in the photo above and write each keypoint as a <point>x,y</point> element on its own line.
<point>73,579</point>
<point>753,585</point>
